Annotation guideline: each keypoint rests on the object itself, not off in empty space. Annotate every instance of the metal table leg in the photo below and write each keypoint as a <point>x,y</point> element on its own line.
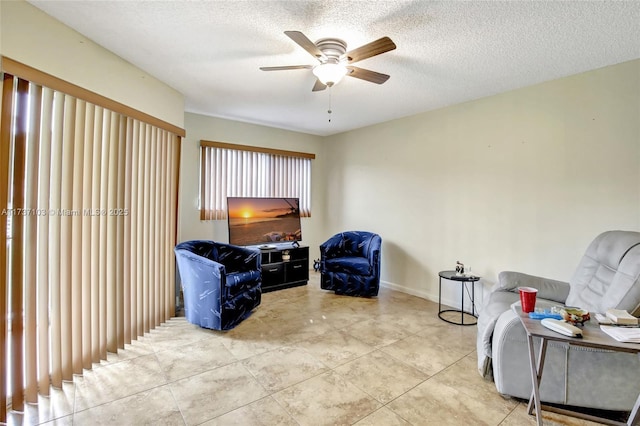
<point>536,375</point>
<point>439,295</point>
<point>473,299</point>
<point>462,304</point>
<point>634,417</point>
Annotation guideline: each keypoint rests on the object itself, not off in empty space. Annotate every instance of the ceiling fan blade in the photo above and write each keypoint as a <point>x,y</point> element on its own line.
<point>287,67</point>
<point>306,44</point>
<point>368,75</point>
<point>374,48</point>
<point>318,86</point>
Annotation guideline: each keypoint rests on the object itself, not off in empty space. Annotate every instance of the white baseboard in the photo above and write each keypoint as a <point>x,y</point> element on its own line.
<point>412,291</point>
<point>454,303</point>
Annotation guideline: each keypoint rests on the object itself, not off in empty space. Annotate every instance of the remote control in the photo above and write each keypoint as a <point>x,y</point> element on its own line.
<point>561,327</point>
<point>542,315</point>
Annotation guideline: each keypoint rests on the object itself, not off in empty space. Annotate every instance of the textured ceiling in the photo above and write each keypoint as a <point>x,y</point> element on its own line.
<point>448,52</point>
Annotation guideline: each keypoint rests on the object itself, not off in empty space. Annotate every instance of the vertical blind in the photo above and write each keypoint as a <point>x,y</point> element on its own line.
<point>246,172</point>
<point>86,264</point>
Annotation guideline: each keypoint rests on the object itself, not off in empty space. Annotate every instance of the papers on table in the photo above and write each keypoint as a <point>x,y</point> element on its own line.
<point>623,334</point>
<point>620,316</point>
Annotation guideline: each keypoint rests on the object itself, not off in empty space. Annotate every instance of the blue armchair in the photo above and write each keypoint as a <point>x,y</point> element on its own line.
<point>350,263</point>
<point>221,283</point>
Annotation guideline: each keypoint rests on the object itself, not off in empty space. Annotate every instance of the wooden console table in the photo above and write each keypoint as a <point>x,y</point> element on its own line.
<point>593,337</point>
<point>278,272</point>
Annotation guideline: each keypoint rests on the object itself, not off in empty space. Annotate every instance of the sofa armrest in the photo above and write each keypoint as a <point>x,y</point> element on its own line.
<point>374,261</point>
<point>373,252</point>
<point>190,258</point>
<point>200,280</point>
<point>251,258</point>
<point>238,259</point>
<point>547,288</point>
<point>331,248</point>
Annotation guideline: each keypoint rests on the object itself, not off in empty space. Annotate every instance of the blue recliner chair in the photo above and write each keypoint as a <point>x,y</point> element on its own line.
<point>221,283</point>
<point>350,263</point>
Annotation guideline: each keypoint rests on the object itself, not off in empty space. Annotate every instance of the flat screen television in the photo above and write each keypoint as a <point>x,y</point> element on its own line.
<point>263,221</point>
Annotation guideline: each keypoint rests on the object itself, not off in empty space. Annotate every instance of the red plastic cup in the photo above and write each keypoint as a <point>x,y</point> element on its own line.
<point>528,298</point>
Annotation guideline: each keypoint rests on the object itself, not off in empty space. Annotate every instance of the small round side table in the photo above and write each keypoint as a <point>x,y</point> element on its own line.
<point>463,280</point>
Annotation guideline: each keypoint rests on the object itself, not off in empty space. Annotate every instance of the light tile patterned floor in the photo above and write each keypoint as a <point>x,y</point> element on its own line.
<point>305,357</point>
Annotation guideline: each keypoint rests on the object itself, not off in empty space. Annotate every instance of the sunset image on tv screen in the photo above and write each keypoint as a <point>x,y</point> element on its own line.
<point>255,221</point>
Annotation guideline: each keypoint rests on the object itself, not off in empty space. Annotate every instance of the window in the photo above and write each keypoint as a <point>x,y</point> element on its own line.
<point>228,170</point>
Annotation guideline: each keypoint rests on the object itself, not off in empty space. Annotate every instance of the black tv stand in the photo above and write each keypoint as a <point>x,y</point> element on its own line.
<point>279,273</point>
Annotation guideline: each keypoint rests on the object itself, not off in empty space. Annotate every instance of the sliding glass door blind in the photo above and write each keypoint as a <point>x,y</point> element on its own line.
<point>88,221</point>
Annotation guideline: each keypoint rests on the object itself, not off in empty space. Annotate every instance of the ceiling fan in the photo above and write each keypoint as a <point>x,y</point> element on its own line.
<point>335,61</point>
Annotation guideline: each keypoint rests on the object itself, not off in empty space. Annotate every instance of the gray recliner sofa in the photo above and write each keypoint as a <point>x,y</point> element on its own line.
<point>607,277</point>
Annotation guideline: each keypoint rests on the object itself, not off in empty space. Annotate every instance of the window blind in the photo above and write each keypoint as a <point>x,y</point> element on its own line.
<point>87,265</point>
<point>227,170</point>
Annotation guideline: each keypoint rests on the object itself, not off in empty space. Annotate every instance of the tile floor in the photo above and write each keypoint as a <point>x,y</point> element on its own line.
<point>305,357</point>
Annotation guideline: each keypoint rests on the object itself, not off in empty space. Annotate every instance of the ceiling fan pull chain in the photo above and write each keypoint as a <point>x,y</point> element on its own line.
<point>329,110</point>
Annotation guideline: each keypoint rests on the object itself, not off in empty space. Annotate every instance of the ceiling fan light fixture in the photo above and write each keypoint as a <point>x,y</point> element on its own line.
<point>330,73</point>
<point>335,61</point>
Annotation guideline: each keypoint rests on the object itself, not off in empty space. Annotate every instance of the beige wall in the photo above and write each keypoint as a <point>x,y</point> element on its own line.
<point>32,37</point>
<point>200,127</point>
<point>519,181</point>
